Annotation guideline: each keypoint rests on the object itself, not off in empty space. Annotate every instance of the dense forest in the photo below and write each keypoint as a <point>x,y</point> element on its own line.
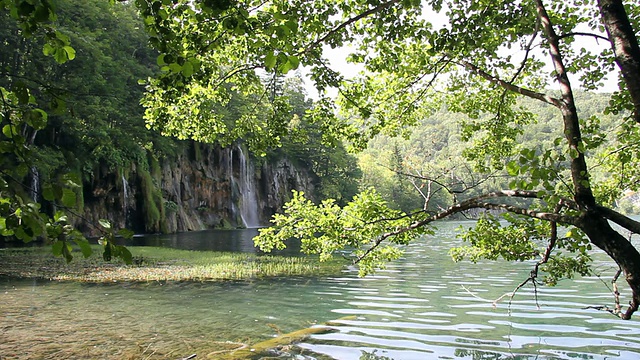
<point>405,170</point>
<point>96,133</point>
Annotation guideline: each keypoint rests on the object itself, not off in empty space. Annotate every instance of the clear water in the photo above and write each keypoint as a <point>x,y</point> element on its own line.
<point>423,307</point>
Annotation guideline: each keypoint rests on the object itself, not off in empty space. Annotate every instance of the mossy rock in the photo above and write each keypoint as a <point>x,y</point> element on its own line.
<point>281,340</point>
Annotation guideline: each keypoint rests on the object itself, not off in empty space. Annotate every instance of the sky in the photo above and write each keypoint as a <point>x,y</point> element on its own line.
<point>337,58</point>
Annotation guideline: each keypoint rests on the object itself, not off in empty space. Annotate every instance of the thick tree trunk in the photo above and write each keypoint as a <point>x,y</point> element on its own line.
<point>579,171</point>
<point>593,224</point>
<point>625,47</point>
<point>619,249</point>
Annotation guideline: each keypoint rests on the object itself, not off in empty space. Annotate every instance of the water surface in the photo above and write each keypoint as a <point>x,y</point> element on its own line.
<point>422,307</point>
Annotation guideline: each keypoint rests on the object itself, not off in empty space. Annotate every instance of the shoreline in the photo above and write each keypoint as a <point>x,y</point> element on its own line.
<point>159,264</point>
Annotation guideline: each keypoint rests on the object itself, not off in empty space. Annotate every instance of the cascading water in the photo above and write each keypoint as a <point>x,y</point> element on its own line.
<point>248,196</point>
<point>125,199</point>
<point>35,183</point>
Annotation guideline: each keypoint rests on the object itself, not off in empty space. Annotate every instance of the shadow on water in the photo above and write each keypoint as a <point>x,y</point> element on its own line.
<point>237,240</point>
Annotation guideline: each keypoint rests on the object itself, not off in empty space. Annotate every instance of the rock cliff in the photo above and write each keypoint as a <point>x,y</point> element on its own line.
<point>202,187</point>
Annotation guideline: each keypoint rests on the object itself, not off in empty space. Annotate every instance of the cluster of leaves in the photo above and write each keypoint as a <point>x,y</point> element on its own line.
<point>41,99</point>
<point>566,267</point>
<point>327,228</point>
<point>488,239</point>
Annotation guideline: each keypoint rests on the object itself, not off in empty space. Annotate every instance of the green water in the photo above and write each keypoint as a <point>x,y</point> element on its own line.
<point>423,307</point>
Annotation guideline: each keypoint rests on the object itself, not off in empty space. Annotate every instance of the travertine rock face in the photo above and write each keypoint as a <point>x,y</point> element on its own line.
<point>203,187</point>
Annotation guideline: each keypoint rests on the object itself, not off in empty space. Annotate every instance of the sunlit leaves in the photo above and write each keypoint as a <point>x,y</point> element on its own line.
<point>110,248</point>
<point>491,240</point>
<point>326,228</point>
<point>566,267</point>
<point>63,236</point>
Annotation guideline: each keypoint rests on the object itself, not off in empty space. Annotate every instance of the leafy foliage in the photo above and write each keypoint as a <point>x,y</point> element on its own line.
<point>66,126</point>
<point>490,240</point>
<point>327,228</point>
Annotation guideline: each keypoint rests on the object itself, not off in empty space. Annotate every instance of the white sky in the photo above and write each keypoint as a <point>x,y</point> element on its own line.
<point>337,58</point>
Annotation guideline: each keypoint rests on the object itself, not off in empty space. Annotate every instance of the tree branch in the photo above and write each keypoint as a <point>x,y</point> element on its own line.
<point>625,47</point>
<point>347,23</point>
<point>475,203</point>
<point>618,218</point>
<point>509,86</point>
<point>578,33</point>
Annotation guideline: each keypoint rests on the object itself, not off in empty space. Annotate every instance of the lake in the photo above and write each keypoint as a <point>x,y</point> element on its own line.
<point>421,307</point>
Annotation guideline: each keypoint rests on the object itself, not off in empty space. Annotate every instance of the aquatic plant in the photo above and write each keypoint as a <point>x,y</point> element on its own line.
<point>160,264</point>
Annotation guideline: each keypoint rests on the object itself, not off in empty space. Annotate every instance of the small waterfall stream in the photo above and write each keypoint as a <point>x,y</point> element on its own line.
<point>35,183</point>
<point>246,186</point>
<point>125,199</point>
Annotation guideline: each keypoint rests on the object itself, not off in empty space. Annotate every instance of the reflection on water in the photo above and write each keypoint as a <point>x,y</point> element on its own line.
<point>237,240</point>
<point>422,307</point>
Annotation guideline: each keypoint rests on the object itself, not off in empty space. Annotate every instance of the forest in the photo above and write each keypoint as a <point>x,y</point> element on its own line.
<point>95,128</point>
<point>129,118</point>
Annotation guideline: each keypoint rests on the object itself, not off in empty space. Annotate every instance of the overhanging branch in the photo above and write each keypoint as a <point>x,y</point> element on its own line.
<point>347,23</point>
<point>480,202</point>
<point>509,86</point>
<point>618,218</point>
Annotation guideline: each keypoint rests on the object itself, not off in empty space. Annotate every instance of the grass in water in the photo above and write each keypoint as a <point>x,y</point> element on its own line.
<point>159,264</point>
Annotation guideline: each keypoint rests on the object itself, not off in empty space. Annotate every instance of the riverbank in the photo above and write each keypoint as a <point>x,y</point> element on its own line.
<point>159,264</point>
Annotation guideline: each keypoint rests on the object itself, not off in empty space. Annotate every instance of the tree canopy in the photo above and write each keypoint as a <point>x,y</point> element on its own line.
<point>73,125</point>
<point>486,56</point>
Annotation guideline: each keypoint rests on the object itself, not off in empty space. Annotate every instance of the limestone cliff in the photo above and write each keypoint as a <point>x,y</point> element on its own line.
<point>202,187</point>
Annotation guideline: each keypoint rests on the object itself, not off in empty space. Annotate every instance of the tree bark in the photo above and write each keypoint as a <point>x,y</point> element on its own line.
<point>582,193</point>
<point>621,250</point>
<point>625,47</point>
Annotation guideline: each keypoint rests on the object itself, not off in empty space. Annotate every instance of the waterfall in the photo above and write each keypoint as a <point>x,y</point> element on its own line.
<point>125,199</point>
<point>247,189</point>
<point>35,183</point>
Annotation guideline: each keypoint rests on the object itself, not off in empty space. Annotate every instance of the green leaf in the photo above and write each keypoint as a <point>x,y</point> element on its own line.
<point>175,67</point>
<point>573,153</point>
<point>66,252</point>
<point>105,223</point>
<point>187,69</point>
<point>84,246</point>
<point>160,60</point>
<point>512,168</point>
<point>56,248</point>
<point>270,60</point>
<point>58,106</point>
<point>9,131</point>
<point>126,233</point>
<point>292,63</point>
<point>71,52</point>
<point>60,56</point>
<point>68,198</point>
<point>124,254</point>
<point>47,192</point>
<point>21,234</point>
<point>37,119</point>
<point>48,49</point>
